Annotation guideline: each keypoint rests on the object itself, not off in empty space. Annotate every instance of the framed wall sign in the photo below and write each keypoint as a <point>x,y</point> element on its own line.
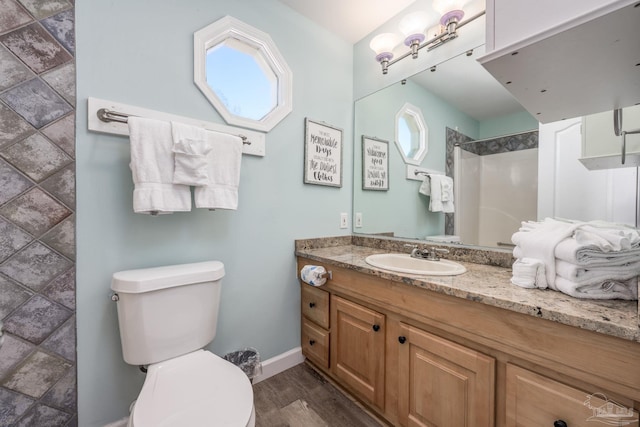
<point>375,164</point>
<point>322,154</point>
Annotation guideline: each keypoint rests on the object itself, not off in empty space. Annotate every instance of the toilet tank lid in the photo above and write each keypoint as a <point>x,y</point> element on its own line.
<point>152,279</point>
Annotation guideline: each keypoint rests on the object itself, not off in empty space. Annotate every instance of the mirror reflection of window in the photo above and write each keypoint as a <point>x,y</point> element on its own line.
<point>408,135</point>
<point>241,79</point>
<point>411,134</point>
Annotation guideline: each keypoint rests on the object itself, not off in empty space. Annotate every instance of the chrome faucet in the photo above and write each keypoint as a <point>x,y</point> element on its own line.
<point>430,254</point>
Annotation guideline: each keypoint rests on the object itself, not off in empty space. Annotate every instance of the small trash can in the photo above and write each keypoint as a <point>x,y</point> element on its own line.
<point>248,360</point>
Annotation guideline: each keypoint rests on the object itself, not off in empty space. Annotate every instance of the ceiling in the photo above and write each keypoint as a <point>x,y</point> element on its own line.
<point>474,87</point>
<point>346,18</point>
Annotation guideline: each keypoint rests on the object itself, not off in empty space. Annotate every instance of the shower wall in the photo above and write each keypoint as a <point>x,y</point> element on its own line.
<point>497,186</point>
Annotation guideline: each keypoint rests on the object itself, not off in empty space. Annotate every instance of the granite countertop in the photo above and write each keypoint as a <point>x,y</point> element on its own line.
<point>490,284</point>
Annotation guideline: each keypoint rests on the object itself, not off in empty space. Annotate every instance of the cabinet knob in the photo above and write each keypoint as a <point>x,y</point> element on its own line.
<point>402,339</point>
<point>312,304</point>
<point>559,423</point>
<point>312,342</point>
<point>376,328</point>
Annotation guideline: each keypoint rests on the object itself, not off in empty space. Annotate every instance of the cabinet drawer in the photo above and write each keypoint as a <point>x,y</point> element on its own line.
<point>534,401</point>
<point>315,344</point>
<point>315,305</point>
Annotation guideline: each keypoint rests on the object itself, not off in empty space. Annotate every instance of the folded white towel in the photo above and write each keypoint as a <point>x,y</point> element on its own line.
<point>529,273</point>
<point>590,255</point>
<point>190,148</point>
<point>540,243</point>
<point>221,190</point>
<point>314,275</point>
<point>592,275</point>
<point>605,239</point>
<point>605,289</point>
<point>152,168</point>
<point>440,188</point>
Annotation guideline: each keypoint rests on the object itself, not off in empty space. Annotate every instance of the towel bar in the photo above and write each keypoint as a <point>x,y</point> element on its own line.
<point>106,116</point>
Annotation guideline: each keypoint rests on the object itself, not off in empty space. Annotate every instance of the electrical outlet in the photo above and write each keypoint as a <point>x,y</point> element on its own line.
<point>358,219</point>
<point>344,221</point>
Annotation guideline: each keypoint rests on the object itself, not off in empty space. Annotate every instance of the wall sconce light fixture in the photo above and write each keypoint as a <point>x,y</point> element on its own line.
<point>414,25</point>
<point>383,45</point>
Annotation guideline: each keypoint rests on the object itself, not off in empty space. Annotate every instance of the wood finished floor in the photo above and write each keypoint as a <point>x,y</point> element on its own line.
<point>300,397</point>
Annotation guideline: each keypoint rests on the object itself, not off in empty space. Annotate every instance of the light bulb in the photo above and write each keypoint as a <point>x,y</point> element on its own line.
<point>383,44</point>
<point>413,26</point>
<point>450,11</point>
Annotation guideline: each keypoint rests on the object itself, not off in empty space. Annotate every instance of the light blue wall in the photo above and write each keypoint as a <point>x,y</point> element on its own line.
<point>402,209</point>
<point>140,53</point>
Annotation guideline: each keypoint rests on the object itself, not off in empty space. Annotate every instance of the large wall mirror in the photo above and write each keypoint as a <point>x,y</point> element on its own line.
<point>460,103</point>
<point>240,71</point>
<point>478,132</point>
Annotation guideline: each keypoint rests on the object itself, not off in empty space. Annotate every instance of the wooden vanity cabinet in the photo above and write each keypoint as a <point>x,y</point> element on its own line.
<point>421,358</point>
<point>534,400</point>
<point>357,349</point>
<point>315,337</point>
<point>441,383</point>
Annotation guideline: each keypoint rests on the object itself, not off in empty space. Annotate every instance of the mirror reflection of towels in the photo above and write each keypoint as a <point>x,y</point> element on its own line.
<point>440,190</point>
<point>447,189</point>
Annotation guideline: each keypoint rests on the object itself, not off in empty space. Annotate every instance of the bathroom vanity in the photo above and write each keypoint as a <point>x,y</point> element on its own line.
<point>467,350</point>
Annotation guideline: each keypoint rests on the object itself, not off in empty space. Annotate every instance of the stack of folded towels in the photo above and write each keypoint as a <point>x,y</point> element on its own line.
<point>595,260</point>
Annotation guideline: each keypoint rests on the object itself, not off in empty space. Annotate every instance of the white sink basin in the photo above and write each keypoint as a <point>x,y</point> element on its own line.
<point>403,263</point>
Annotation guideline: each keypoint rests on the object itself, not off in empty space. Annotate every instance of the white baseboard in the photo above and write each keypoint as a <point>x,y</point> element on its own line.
<point>280,363</point>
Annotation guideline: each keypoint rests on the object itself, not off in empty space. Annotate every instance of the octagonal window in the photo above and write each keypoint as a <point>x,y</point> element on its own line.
<point>411,134</point>
<point>240,71</point>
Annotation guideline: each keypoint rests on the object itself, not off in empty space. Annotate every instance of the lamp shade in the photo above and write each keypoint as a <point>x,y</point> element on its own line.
<point>414,23</point>
<point>444,6</point>
<point>383,44</point>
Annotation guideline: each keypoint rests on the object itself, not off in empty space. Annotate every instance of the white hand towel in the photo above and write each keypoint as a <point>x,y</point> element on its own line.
<point>152,168</point>
<point>529,273</point>
<point>436,202</point>
<point>190,148</point>
<point>447,189</point>
<point>221,190</point>
<point>606,289</point>
<point>425,187</point>
<point>314,275</point>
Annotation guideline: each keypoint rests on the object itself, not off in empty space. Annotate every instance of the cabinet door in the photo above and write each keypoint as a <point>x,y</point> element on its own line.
<point>443,384</point>
<point>357,349</point>
<point>537,401</point>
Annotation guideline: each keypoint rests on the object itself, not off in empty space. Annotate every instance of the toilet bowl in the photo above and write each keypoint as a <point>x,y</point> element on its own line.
<point>197,389</point>
<point>167,315</point>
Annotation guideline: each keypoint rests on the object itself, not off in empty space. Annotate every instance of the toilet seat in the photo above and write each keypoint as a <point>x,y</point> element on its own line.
<point>196,390</point>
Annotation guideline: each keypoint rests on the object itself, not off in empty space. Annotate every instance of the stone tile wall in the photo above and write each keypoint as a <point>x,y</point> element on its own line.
<point>37,204</point>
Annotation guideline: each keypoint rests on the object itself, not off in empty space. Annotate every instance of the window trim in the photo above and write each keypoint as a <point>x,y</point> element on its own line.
<point>229,27</point>
<point>423,130</point>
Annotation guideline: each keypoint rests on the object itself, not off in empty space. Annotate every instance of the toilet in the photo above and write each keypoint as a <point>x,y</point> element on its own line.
<point>167,315</point>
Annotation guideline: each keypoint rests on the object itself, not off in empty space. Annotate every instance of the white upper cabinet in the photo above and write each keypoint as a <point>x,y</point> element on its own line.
<point>564,59</point>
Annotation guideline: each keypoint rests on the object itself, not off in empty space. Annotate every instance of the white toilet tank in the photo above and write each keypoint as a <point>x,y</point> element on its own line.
<point>165,312</point>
